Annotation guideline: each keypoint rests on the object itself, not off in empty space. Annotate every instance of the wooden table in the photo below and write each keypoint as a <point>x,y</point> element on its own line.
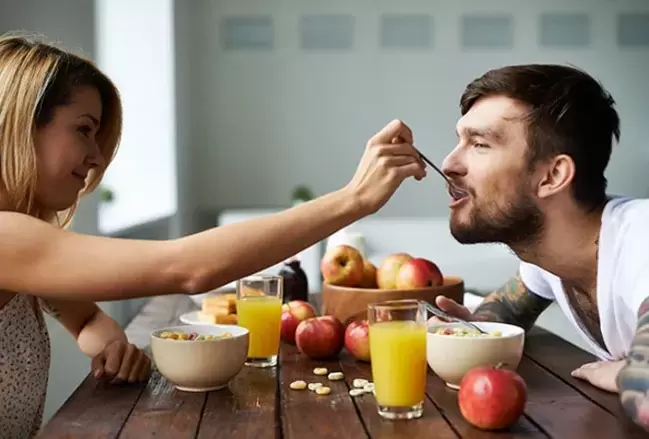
<point>259,404</point>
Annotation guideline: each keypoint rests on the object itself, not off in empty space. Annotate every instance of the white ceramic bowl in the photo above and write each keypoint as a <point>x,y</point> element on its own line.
<point>200,365</point>
<point>451,356</point>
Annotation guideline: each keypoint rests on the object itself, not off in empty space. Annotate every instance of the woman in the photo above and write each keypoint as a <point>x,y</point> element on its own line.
<point>60,123</point>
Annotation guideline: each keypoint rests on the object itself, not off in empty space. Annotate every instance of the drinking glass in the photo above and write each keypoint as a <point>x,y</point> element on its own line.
<point>398,352</point>
<point>259,310</point>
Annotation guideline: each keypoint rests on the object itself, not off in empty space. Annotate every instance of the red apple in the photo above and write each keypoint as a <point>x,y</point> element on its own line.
<point>342,265</point>
<point>320,337</point>
<point>386,275</point>
<point>369,275</point>
<point>357,340</point>
<point>293,313</point>
<point>419,273</point>
<point>492,398</point>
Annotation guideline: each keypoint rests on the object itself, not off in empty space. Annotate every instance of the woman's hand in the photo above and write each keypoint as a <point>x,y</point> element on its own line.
<point>121,362</point>
<point>388,160</point>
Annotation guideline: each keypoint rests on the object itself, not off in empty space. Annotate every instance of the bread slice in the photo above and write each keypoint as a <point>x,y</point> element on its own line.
<point>222,302</point>
<point>227,319</point>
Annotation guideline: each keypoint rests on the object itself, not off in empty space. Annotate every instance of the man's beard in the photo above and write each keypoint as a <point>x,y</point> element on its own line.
<point>519,223</point>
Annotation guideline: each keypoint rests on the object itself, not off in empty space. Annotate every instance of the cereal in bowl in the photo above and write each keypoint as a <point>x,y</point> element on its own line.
<point>461,332</point>
<point>192,336</point>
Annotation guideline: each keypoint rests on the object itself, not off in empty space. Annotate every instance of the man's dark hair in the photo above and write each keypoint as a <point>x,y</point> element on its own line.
<point>570,113</point>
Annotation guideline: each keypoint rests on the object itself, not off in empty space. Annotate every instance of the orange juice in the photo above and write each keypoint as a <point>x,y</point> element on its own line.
<point>398,352</point>
<point>262,317</point>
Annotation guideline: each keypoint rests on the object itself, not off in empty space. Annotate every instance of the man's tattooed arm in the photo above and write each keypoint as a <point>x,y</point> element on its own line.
<point>513,303</point>
<point>633,379</point>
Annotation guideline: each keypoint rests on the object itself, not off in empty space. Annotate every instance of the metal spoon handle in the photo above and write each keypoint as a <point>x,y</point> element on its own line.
<point>424,158</point>
<point>441,314</point>
<point>432,165</point>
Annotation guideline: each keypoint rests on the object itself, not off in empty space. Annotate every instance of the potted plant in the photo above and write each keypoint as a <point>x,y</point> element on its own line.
<point>301,194</point>
<point>106,195</point>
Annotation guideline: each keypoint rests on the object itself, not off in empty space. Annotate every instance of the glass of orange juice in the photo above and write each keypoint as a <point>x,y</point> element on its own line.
<point>259,310</point>
<point>398,352</point>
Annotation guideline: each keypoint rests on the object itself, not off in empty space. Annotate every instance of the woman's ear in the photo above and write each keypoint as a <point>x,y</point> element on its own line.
<point>556,175</point>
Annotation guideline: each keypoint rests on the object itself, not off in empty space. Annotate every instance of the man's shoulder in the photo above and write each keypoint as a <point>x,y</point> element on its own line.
<point>627,212</point>
<point>627,220</point>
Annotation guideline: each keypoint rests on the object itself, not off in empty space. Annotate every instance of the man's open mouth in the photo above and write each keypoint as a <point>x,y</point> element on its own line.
<point>457,193</point>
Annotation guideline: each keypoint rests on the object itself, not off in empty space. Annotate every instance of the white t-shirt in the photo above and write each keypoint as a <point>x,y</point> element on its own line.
<point>622,277</point>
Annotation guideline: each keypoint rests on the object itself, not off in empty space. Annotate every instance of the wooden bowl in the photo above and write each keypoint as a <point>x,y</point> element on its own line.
<point>348,304</point>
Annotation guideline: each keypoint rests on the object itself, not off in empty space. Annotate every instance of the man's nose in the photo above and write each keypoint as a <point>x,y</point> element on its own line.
<point>452,164</point>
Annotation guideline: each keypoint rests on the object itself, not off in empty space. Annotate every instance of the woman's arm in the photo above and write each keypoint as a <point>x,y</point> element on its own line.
<point>87,323</point>
<point>98,336</point>
<point>43,260</point>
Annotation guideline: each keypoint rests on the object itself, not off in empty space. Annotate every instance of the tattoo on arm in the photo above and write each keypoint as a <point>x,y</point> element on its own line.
<point>633,379</point>
<point>513,303</point>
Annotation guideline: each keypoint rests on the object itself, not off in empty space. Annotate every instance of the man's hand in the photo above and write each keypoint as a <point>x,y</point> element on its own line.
<point>451,307</point>
<point>601,374</point>
<point>513,303</point>
<point>121,362</point>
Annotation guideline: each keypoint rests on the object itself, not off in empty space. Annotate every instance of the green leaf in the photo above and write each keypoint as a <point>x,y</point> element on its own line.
<point>303,193</point>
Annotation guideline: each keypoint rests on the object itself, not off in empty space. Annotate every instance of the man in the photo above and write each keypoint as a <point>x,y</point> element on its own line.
<point>528,170</point>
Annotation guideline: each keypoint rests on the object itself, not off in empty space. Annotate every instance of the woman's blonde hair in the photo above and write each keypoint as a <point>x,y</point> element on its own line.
<point>35,79</point>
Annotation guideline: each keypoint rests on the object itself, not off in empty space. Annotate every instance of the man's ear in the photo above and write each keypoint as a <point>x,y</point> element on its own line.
<point>556,174</point>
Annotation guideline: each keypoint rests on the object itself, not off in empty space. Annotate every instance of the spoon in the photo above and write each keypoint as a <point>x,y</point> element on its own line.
<point>439,171</point>
<point>455,191</point>
<point>441,314</point>
<point>453,188</point>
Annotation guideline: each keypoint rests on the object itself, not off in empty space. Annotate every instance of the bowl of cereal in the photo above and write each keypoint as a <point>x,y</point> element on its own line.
<point>200,358</point>
<point>452,349</point>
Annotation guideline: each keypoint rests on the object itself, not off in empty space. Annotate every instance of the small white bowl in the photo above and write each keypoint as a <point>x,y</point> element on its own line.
<point>452,356</point>
<point>200,365</point>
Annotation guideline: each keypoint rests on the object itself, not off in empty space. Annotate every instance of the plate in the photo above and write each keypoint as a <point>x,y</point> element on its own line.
<point>191,318</point>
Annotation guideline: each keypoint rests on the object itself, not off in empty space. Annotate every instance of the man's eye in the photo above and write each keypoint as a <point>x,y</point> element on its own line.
<point>481,145</point>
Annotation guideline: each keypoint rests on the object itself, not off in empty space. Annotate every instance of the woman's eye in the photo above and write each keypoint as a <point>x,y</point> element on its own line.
<point>481,145</point>
<point>85,130</point>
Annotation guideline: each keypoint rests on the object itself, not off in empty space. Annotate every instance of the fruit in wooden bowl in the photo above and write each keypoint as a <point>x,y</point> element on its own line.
<point>350,303</point>
<point>399,276</point>
<point>342,265</point>
<point>386,274</point>
<point>419,273</point>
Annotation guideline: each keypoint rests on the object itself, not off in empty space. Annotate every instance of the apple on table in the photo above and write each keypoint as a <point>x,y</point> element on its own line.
<point>492,397</point>
<point>320,337</point>
<point>357,340</point>
<point>293,313</point>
